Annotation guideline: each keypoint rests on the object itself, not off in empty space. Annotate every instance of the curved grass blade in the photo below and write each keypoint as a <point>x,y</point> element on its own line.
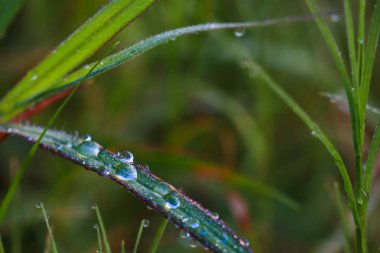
<point>144,224</point>
<point>53,245</point>
<point>315,130</point>
<point>186,213</point>
<point>103,231</point>
<point>88,38</point>
<point>143,46</point>
<point>372,155</point>
<point>8,10</point>
<point>158,236</point>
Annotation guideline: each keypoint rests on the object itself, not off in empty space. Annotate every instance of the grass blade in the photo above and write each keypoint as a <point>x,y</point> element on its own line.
<point>370,53</point>
<point>342,219</point>
<point>93,34</point>
<point>122,247</point>
<point>102,229</point>
<point>8,11</point>
<point>351,42</point>
<point>144,224</point>
<point>143,46</point>
<point>315,130</point>
<point>158,236</point>
<point>46,218</point>
<point>372,155</point>
<point>164,198</point>
<point>99,238</point>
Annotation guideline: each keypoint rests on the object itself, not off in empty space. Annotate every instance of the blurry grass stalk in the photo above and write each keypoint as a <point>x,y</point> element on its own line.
<point>99,238</point>
<point>103,232</point>
<point>122,246</point>
<point>342,218</point>
<point>143,225</point>
<point>46,218</point>
<point>1,245</point>
<point>158,236</point>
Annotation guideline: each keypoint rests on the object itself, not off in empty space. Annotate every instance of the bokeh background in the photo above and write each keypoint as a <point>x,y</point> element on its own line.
<point>198,119</point>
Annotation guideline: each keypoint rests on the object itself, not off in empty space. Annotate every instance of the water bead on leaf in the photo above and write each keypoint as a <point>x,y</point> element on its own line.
<point>126,172</point>
<point>88,148</point>
<point>126,157</point>
<point>161,189</point>
<point>145,223</point>
<point>184,234</point>
<point>171,201</point>
<point>193,223</point>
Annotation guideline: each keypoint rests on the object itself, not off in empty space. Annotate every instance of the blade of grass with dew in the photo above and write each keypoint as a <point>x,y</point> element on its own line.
<point>370,53</point>
<point>144,224</point>
<point>202,224</point>
<point>372,155</point>
<point>158,236</point>
<point>103,231</point>
<point>99,238</point>
<point>87,39</point>
<point>315,130</point>
<point>342,218</point>
<point>8,11</point>
<point>1,245</point>
<point>143,46</point>
<point>53,245</point>
<point>17,179</point>
<point>353,100</point>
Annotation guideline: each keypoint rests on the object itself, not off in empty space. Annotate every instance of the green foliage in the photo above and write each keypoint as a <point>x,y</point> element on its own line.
<point>157,238</point>
<point>102,230</point>
<point>8,10</point>
<point>50,232</point>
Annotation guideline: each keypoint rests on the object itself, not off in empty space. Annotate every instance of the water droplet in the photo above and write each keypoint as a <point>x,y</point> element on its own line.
<point>34,77</point>
<point>171,202</point>
<point>215,215</point>
<point>88,148</point>
<point>239,32</point>
<point>94,207</point>
<point>104,171</point>
<point>202,231</point>
<point>102,62</point>
<point>244,242</point>
<point>126,172</point>
<point>193,223</point>
<point>361,41</point>
<point>126,157</point>
<point>162,189</point>
<point>184,234</point>
<point>193,243</point>
<point>335,18</point>
<point>313,133</point>
<point>39,204</point>
<point>86,138</point>
<point>145,223</point>
<point>95,226</point>
<point>363,197</point>
<point>225,238</point>
<point>86,66</point>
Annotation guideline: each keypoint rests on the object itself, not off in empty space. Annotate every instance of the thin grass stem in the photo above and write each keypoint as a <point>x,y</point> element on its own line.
<point>157,238</point>
<point>103,232</point>
<point>46,218</point>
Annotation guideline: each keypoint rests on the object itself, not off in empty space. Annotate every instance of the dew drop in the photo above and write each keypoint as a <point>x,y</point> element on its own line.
<point>34,77</point>
<point>126,157</point>
<point>86,138</point>
<point>215,215</point>
<point>193,243</point>
<point>363,197</point>
<point>39,204</point>
<point>162,189</point>
<point>102,62</point>
<point>86,66</point>
<point>184,234</point>
<point>88,148</point>
<point>94,207</point>
<point>335,18</point>
<point>244,242</point>
<point>193,223</point>
<point>239,32</point>
<point>95,226</point>
<point>145,223</point>
<point>171,202</point>
<point>126,172</point>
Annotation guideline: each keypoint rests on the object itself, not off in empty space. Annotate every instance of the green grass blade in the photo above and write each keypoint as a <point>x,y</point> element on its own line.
<point>8,10</point>
<point>46,218</point>
<point>361,33</point>
<point>351,42</point>
<point>93,34</point>
<point>143,46</point>
<point>357,120</point>
<point>122,247</point>
<point>103,231</point>
<point>315,130</point>
<point>158,236</point>
<point>342,218</point>
<point>144,224</point>
<point>370,53</point>
<point>372,155</point>
<point>99,238</point>
<point>164,198</point>
<point>1,245</point>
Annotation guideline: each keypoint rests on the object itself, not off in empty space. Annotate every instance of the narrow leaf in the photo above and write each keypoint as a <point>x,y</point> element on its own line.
<point>342,218</point>
<point>53,245</point>
<point>102,230</point>
<point>158,236</point>
<point>372,155</point>
<point>99,238</point>
<point>144,224</point>
<point>186,213</point>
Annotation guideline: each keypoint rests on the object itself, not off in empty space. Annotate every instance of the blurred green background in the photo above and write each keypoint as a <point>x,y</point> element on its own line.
<point>189,111</point>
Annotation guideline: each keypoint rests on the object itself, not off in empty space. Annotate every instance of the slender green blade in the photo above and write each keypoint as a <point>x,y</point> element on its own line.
<point>99,238</point>
<point>351,42</point>
<point>87,39</point>
<point>8,10</point>
<point>144,224</point>
<point>315,130</point>
<point>202,224</point>
<point>122,246</point>
<point>103,231</point>
<point>157,238</point>
<point>372,155</point>
<point>53,244</point>
<point>342,218</point>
